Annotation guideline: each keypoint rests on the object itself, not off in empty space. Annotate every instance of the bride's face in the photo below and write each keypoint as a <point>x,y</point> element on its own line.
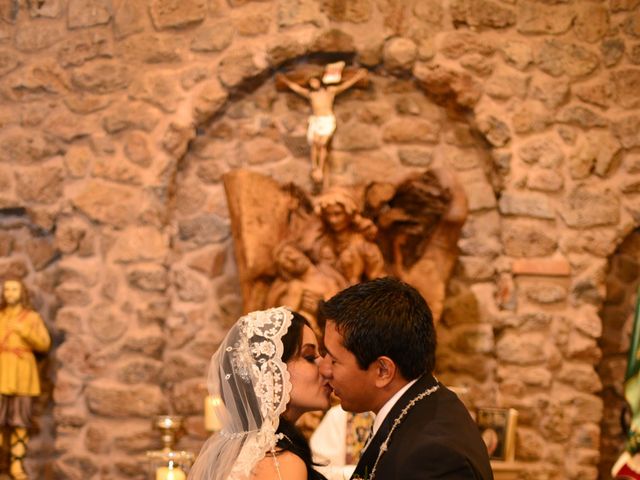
<point>309,390</point>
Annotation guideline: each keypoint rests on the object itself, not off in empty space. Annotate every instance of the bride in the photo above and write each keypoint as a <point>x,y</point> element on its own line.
<point>266,373</point>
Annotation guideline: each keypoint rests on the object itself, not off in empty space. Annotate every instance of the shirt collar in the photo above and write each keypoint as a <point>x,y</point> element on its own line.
<point>386,408</point>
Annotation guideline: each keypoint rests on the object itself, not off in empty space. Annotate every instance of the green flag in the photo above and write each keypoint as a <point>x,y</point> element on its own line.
<point>632,382</point>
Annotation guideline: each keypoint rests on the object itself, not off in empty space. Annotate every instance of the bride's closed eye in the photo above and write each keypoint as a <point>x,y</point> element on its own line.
<point>311,358</point>
<point>310,353</point>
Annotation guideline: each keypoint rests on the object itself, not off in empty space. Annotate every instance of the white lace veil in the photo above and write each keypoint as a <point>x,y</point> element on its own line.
<point>248,374</point>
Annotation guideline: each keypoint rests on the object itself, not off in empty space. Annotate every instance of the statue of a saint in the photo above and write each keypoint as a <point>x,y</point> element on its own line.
<point>22,332</point>
<point>322,121</point>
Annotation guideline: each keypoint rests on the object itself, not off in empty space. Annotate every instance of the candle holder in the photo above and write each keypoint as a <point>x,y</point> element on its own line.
<point>171,465</point>
<point>167,463</point>
<point>169,426</point>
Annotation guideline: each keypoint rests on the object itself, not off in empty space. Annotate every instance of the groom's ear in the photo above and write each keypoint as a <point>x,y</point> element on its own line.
<point>385,371</point>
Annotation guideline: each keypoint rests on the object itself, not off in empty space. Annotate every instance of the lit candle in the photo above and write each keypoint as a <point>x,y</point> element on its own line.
<point>211,420</point>
<point>170,473</point>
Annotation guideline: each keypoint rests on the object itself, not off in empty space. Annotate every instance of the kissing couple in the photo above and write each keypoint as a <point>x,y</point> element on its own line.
<point>378,355</point>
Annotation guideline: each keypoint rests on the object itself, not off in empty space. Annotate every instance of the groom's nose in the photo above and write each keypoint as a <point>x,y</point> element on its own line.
<point>325,367</point>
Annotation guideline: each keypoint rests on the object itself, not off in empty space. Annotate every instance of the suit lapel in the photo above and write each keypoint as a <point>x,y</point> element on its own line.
<point>370,455</point>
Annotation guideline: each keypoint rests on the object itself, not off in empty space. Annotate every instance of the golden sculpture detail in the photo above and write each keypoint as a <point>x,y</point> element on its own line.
<point>322,121</point>
<point>22,332</point>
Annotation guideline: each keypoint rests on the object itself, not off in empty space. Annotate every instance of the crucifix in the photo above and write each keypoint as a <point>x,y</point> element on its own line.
<point>321,93</point>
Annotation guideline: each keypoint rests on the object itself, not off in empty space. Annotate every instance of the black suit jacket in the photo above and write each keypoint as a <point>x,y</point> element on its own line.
<point>436,439</point>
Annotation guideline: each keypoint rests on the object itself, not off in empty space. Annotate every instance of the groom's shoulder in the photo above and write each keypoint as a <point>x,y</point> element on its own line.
<point>442,418</point>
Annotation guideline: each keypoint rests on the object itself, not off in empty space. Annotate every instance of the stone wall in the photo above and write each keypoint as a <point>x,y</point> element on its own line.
<point>119,117</point>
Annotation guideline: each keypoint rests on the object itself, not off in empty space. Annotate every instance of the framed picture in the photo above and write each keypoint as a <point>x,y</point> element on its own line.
<point>498,429</point>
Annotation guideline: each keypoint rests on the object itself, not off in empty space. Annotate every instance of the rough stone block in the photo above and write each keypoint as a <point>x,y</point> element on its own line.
<point>589,208</point>
<point>110,204</point>
<point>148,278</point>
<point>41,184</point>
<point>139,371</point>
<point>399,54</point>
<point>129,18</point>
<point>239,67</point>
<point>557,58</point>
<point>161,91</point>
<point>113,399</point>
<point>546,293</point>
<point>102,77</point>
<point>298,12</point>
<point>408,130</point>
<point>139,243</point>
<point>356,136</point>
<point>35,37</point>
<point>521,349</point>
<point>214,38</point>
<point>592,22</point>
<point>88,13</point>
<point>526,204</point>
<point>483,13</point>
<point>456,44</point>
<point>79,49</point>
<point>177,13</point>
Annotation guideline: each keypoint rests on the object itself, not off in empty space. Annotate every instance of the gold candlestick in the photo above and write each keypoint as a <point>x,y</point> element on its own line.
<point>167,463</point>
<point>169,426</point>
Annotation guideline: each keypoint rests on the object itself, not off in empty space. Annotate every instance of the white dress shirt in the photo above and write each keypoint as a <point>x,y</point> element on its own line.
<point>386,408</point>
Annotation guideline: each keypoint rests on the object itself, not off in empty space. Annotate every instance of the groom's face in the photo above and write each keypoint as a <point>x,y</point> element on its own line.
<point>353,385</point>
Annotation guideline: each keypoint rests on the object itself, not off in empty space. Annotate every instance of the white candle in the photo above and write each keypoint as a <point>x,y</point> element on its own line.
<point>211,420</point>
<point>170,473</point>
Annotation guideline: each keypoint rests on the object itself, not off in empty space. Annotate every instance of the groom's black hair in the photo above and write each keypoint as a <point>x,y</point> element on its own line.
<point>384,317</point>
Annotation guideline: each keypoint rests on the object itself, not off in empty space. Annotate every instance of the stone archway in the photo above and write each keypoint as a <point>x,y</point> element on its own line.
<point>401,124</point>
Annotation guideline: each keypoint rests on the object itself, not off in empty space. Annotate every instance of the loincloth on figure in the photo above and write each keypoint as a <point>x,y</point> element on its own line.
<point>321,126</point>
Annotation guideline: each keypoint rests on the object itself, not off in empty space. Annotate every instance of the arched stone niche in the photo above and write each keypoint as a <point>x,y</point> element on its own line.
<point>400,124</point>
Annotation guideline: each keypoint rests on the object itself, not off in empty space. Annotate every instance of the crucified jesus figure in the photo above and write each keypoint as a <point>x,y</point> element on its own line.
<point>322,122</point>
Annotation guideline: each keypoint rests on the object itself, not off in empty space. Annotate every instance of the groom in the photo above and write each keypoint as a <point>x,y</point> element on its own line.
<point>380,343</point>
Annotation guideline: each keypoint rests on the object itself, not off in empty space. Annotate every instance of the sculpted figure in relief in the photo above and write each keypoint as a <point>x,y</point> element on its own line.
<point>296,250</point>
<point>419,223</point>
<point>346,238</point>
<point>301,284</point>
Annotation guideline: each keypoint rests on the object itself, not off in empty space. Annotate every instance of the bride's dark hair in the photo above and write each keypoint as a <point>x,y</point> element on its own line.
<point>293,439</point>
